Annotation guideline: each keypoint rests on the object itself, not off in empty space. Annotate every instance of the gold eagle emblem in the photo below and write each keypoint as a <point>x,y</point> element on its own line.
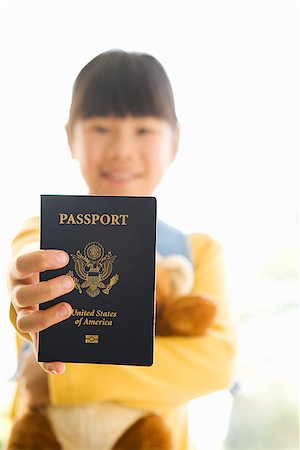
<point>94,267</point>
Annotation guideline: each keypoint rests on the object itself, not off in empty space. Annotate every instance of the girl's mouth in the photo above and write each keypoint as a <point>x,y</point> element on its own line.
<point>119,177</point>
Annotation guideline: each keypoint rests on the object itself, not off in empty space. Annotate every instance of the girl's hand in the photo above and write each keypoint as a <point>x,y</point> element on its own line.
<point>33,382</point>
<point>27,292</point>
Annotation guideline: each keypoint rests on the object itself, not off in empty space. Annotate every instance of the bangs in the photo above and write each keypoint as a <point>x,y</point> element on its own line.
<point>120,84</point>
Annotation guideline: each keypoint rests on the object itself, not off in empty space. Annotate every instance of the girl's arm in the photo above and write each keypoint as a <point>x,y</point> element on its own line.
<point>184,368</point>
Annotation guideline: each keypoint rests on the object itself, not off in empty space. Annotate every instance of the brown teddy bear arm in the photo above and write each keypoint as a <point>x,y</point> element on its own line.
<point>189,315</point>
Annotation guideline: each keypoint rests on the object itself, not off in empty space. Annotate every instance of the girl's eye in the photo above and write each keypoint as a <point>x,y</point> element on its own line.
<point>142,131</point>
<point>99,129</point>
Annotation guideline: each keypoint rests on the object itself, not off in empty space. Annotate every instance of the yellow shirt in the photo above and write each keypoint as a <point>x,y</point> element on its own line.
<point>184,367</point>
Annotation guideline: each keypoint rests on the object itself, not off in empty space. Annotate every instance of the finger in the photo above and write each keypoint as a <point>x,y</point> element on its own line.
<point>33,294</point>
<point>35,321</point>
<point>38,261</point>
<point>56,367</point>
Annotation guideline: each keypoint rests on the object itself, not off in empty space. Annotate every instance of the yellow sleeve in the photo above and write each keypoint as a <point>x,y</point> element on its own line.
<point>184,367</point>
<point>27,240</point>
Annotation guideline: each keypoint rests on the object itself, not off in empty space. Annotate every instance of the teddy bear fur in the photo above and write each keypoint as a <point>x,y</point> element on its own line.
<point>179,313</point>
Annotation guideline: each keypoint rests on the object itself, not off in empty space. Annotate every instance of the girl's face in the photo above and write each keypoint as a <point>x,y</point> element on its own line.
<point>123,156</point>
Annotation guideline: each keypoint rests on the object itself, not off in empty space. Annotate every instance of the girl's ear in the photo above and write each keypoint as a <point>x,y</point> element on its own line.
<point>176,134</point>
<point>70,140</point>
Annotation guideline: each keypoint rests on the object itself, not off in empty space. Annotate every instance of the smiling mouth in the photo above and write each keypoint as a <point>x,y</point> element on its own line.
<point>119,177</point>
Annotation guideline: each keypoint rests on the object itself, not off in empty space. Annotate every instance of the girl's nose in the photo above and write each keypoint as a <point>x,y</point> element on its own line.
<point>120,147</point>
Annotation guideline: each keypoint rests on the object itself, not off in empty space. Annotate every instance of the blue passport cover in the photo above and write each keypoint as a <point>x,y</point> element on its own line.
<point>111,242</point>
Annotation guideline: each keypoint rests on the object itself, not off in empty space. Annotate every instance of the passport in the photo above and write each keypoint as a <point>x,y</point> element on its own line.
<point>111,242</point>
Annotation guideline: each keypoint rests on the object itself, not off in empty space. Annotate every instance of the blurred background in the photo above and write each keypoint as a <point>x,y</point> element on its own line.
<point>234,67</point>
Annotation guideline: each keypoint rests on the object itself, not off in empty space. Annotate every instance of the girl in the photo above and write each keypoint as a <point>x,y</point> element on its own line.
<point>124,132</point>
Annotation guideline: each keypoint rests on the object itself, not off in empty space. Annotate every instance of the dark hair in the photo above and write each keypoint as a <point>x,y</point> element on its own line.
<point>120,83</point>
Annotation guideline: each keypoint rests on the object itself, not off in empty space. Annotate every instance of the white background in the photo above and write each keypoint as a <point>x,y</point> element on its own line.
<point>234,70</point>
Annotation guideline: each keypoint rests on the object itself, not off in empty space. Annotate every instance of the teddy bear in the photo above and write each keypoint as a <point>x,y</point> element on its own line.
<point>178,313</point>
